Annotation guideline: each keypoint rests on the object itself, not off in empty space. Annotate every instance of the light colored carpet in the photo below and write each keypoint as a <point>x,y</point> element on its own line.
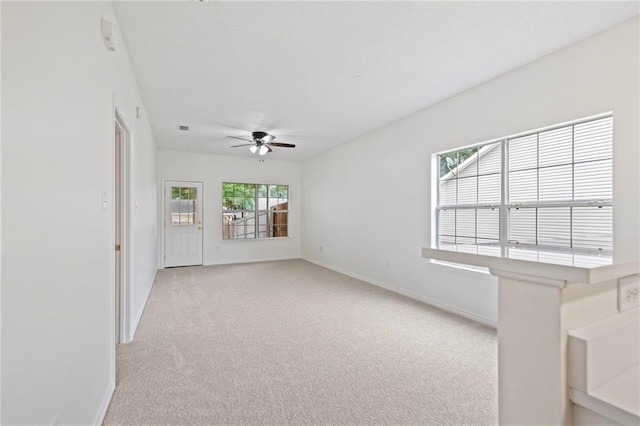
<point>289,342</point>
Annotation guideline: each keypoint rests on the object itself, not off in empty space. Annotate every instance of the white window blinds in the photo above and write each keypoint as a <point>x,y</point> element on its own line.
<point>470,195</point>
<point>547,189</point>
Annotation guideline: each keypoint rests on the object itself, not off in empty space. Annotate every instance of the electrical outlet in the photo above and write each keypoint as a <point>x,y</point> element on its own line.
<point>628,292</point>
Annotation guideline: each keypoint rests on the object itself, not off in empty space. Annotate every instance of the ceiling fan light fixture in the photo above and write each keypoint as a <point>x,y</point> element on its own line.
<point>261,144</point>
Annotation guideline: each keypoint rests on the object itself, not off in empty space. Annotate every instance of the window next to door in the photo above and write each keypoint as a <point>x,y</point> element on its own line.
<point>253,210</point>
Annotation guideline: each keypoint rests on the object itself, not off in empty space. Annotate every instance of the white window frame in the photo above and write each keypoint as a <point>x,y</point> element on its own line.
<point>505,205</point>
<point>256,211</point>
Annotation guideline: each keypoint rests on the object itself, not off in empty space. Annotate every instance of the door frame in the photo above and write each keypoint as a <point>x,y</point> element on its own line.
<point>122,334</point>
<point>163,218</point>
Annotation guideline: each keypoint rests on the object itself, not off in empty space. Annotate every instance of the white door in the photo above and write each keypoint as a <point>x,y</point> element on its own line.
<point>121,227</point>
<point>182,223</point>
<point>118,215</point>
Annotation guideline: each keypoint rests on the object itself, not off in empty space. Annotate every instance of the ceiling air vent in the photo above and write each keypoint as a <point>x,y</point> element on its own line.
<point>185,128</point>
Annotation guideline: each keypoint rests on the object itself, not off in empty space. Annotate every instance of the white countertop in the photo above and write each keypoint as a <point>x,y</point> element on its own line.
<point>622,392</point>
<point>618,399</point>
<point>561,266</point>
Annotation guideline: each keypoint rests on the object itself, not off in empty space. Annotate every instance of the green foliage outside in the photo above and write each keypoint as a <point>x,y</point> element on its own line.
<point>242,196</point>
<point>455,159</point>
<point>238,196</point>
<point>278,191</point>
<point>178,193</point>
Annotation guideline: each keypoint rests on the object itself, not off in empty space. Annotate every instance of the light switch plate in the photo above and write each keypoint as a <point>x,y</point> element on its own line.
<point>104,199</point>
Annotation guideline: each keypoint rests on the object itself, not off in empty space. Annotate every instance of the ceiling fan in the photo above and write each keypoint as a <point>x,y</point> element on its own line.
<point>261,143</point>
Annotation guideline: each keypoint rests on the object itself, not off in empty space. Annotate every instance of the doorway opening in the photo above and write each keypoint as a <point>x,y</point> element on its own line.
<point>121,203</point>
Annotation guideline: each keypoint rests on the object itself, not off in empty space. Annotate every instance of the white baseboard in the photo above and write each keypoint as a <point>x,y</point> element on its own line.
<point>444,306</point>
<point>238,262</point>
<point>134,325</point>
<point>104,405</point>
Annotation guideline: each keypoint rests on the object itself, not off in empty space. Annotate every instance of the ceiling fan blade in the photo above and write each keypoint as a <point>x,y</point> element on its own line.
<point>242,139</point>
<point>283,145</point>
<point>269,148</point>
<point>244,144</point>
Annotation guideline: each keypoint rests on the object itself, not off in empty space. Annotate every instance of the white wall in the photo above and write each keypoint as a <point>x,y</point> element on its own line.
<point>212,170</point>
<point>59,89</point>
<point>368,202</point>
<point>143,215</point>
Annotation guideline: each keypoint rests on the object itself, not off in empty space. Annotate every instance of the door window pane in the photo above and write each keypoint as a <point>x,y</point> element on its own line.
<point>183,205</point>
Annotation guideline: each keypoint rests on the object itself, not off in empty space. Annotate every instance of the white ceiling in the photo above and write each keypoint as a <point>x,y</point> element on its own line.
<point>318,74</point>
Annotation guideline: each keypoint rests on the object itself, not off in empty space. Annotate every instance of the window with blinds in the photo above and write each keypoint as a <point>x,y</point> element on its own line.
<point>549,189</point>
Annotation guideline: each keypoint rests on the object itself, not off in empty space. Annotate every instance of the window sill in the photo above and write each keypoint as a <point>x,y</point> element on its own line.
<point>580,268</point>
<point>255,239</point>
